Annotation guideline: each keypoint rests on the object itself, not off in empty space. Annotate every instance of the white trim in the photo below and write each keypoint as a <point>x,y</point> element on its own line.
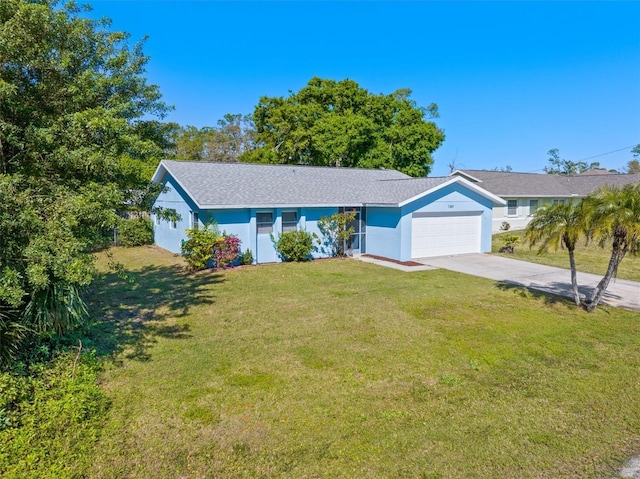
<point>481,191</point>
<point>465,175</point>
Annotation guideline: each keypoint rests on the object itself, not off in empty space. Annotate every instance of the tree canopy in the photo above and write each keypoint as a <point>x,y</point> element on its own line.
<point>560,166</point>
<point>329,123</point>
<point>233,136</point>
<point>77,144</point>
<point>633,166</point>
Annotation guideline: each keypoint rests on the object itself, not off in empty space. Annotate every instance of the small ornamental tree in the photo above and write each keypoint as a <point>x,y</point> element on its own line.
<point>225,250</point>
<point>295,245</point>
<point>336,231</point>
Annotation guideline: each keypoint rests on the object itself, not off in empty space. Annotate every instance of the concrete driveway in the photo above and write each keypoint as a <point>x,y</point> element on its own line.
<point>620,293</point>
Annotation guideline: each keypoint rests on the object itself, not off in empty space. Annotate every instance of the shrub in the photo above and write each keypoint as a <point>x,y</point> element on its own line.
<point>295,245</point>
<point>226,250</point>
<point>510,242</point>
<point>197,250</point>
<point>135,232</point>
<point>246,257</point>
<point>51,418</point>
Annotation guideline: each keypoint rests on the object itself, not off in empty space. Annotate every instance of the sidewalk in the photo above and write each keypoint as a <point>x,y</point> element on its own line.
<point>620,293</point>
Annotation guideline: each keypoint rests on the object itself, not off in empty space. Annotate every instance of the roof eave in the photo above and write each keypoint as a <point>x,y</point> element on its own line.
<point>496,200</point>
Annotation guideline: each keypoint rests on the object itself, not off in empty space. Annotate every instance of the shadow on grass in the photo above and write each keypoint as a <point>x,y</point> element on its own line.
<point>129,316</point>
<point>552,293</point>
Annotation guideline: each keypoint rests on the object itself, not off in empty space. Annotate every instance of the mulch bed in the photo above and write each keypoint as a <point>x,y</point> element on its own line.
<point>403,263</point>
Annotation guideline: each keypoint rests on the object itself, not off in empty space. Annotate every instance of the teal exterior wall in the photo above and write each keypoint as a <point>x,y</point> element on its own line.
<point>166,236</point>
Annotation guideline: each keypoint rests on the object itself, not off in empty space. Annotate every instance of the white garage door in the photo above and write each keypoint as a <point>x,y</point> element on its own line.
<point>445,234</point>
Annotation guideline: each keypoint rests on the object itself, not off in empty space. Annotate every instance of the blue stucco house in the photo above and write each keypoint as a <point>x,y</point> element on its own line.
<point>398,217</point>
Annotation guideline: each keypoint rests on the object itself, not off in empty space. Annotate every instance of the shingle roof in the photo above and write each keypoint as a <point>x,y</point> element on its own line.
<point>506,184</point>
<point>225,185</point>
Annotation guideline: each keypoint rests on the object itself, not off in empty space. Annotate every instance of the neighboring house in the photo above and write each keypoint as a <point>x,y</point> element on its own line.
<point>398,217</point>
<point>524,193</point>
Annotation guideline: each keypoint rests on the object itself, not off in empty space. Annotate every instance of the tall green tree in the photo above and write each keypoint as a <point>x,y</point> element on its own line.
<point>613,215</point>
<point>560,166</point>
<point>558,226</point>
<point>225,143</point>
<point>329,123</point>
<point>77,143</point>
<point>633,166</point>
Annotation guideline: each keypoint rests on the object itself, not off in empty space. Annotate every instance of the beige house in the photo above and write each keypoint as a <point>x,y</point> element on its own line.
<point>526,192</point>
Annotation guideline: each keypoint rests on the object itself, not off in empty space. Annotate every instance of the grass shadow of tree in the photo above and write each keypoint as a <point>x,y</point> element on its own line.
<point>129,316</point>
<point>549,297</point>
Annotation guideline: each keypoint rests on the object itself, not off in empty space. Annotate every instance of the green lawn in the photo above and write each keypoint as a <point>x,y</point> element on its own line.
<point>590,258</point>
<point>339,368</point>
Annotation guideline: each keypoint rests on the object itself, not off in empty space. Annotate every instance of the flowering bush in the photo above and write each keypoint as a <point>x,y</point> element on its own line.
<point>226,250</point>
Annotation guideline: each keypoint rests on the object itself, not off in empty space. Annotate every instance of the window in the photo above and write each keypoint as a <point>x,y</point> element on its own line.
<point>533,206</point>
<point>194,220</point>
<point>512,207</point>
<point>157,219</point>
<point>264,222</point>
<point>558,202</point>
<point>289,221</point>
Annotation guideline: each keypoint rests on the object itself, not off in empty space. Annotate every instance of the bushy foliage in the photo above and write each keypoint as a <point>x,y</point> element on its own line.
<point>226,250</point>
<point>50,419</point>
<point>295,245</point>
<point>207,247</point>
<point>76,146</point>
<point>509,243</point>
<point>135,232</point>
<point>335,232</point>
<point>246,257</point>
<point>338,123</point>
<point>197,250</point>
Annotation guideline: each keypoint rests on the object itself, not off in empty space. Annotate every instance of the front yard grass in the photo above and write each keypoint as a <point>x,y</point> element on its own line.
<point>340,368</point>
<point>590,258</point>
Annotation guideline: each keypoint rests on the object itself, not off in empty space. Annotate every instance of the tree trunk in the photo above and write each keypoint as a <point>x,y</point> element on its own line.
<point>574,278</point>
<point>617,254</point>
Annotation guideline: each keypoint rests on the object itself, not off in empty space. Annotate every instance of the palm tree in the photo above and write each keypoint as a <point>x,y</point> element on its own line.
<point>614,213</point>
<point>556,226</point>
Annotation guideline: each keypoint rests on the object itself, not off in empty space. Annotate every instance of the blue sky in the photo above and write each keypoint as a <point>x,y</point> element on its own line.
<point>511,79</point>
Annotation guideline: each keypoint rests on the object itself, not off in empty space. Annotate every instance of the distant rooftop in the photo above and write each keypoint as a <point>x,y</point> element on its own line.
<point>507,183</point>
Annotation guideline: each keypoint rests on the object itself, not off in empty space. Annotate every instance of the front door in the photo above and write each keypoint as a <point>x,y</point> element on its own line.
<point>265,251</point>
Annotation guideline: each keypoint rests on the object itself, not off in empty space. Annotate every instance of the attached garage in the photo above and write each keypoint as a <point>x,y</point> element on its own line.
<point>441,234</point>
